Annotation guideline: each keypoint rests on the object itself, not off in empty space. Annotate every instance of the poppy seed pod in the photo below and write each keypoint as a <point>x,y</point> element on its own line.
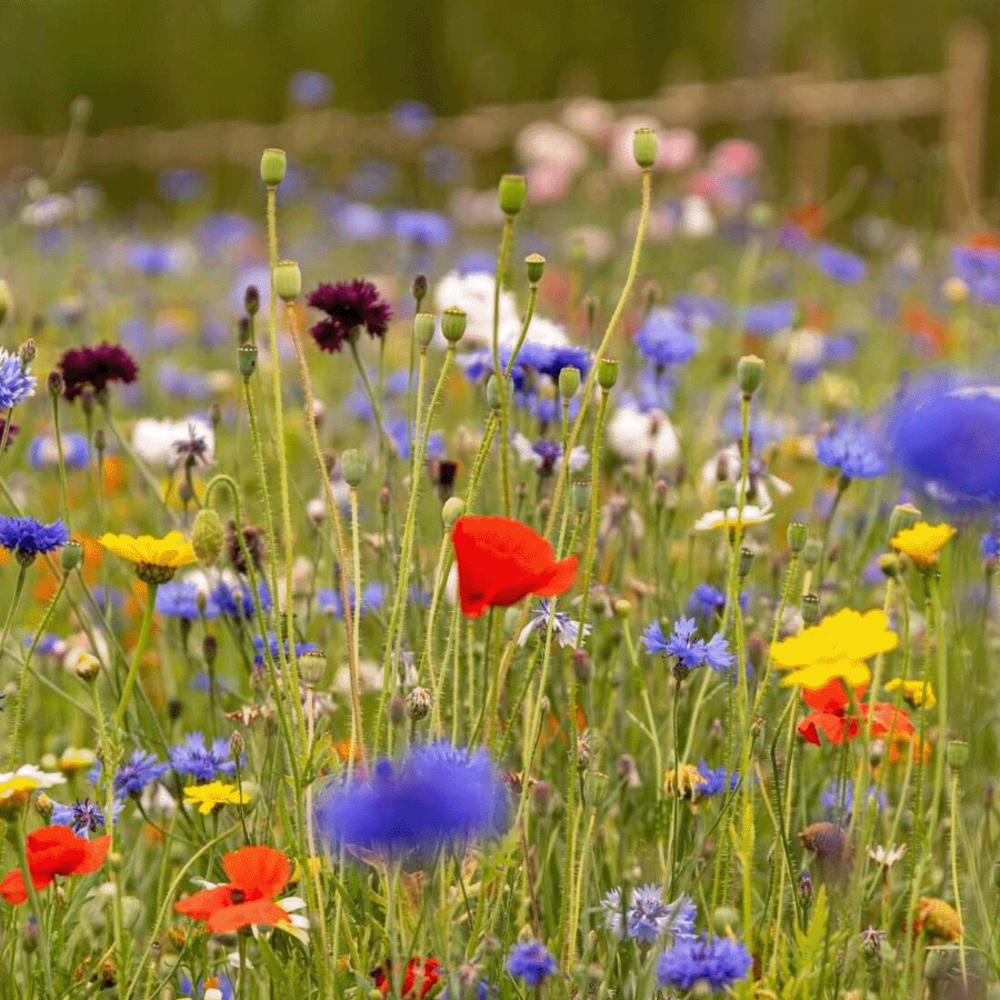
<point>453,509</point>
<point>273,164</point>
<point>287,280</point>
<point>535,265</point>
<point>607,373</point>
<point>513,190</point>
<point>453,324</point>
<point>644,147</point>
<point>749,374</point>
<point>353,465</point>
<point>423,329</point>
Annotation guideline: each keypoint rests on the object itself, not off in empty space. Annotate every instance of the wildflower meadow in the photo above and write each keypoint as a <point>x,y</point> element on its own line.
<point>585,590</point>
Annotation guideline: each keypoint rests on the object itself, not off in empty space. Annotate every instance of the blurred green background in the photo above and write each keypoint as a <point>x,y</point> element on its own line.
<point>170,62</point>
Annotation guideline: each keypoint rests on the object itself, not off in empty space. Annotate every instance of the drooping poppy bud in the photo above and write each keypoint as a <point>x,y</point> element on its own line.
<point>500,561</point>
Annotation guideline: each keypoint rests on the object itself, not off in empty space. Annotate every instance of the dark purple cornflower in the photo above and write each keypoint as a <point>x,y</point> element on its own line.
<point>82,817</point>
<point>349,307</point>
<point>95,367</point>
<point>201,760</point>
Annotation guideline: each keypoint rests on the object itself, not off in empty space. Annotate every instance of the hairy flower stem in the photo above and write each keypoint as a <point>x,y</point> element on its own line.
<point>140,648</point>
<point>500,376</point>
<point>953,857</point>
<point>57,432</point>
<point>21,848</point>
<point>19,712</point>
<point>376,404</point>
<point>587,392</point>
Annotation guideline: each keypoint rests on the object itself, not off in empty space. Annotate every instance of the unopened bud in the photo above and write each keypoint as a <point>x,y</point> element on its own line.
<point>957,754</point>
<point>85,665</point>
<point>746,561</point>
<point>580,494</point>
<point>418,703</point>
<point>55,384</point>
<point>26,353</point>
<point>419,289</point>
<point>452,510</point>
<point>811,551</point>
<point>71,556</point>
<point>247,356</point>
<point>810,608</point>
<point>287,280</point>
<point>903,516</point>
<point>798,535</point>
<point>513,190</point>
<point>644,147</point>
<point>209,649</point>
<point>535,266</point>
<point>251,300</point>
<point>453,324</point>
<point>622,608</point>
<point>273,164</point>
<point>423,329</point>
<point>312,667</point>
<point>749,374</point>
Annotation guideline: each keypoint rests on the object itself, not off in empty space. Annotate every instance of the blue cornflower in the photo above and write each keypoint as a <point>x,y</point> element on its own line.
<point>223,984</point>
<point>532,962</point>
<point>943,435</point>
<point>715,780</point>
<point>706,600</point>
<point>989,544</point>
<point>699,311</point>
<point>236,600</point>
<point>691,652</point>
<point>360,222</point>
<point>437,795</point>
<point>272,641</point>
<point>565,631</point>
<point>664,340</point>
<point>767,318</point>
<point>647,917</point>
<point>839,264</point>
<point>179,599</point>
<point>82,817</point>
<point>310,88</point>
<point>16,385</point>
<point>403,435</point>
<point>141,769</point>
<point>202,761</point>
<point>852,450</point>
<point>411,117</point>
<point>422,227</point>
<point>718,963</point>
<point>27,538</point>
<point>838,797</point>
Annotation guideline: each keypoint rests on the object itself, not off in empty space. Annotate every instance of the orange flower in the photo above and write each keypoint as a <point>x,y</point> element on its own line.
<point>832,719</point>
<point>52,851</point>
<point>419,972</point>
<point>257,875</point>
<point>500,561</point>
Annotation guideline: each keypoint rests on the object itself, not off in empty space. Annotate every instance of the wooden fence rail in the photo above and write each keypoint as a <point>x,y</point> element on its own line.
<point>814,105</point>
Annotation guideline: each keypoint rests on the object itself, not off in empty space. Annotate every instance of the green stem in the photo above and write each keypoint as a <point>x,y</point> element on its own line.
<point>36,908</point>
<point>498,372</point>
<point>140,648</point>
<point>63,489</point>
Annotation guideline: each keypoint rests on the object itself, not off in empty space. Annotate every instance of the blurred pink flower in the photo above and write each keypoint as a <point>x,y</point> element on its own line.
<point>677,150</point>
<point>736,156</point>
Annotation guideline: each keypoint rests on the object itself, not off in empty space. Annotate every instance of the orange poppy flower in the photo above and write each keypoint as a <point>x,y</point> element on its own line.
<point>419,971</point>
<point>257,875</point>
<point>52,851</point>
<point>500,561</point>
<point>831,716</point>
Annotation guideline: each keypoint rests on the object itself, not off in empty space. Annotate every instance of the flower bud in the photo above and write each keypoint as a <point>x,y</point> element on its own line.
<point>418,704</point>
<point>353,465</point>
<point>513,190</point>
<point>811,551</point>
<point>85,665</point>
<point>569,381</point>
<point>890,565</point>
<point>207,536</point>
<point>957,754</point>
<point>452,510</point>
<point>71,555</point>
<point>247,357</point>
<point>287,280</point>
<point>419,289</point>
<point>100,441</point>
<point>746,561</point>
<point>396,710</point>
<point>43,806</point>
<point>725,495</point>
<point>622,608</point>
<point>273,164</point>
<point>535,265</point>
<point>607,373</point>
<point>810,608</point>
<point>55,384</point>
<point>453,324</point>
<point>726,920</point>
<point>798,535</point>
<point>644,146</point>
<point>251,300</point>
<point>749,374</point>
<point>580,495</point>
<point>209,650</point>
<point>26,353</point>
<point>903,516</point>
<point>423,329</point>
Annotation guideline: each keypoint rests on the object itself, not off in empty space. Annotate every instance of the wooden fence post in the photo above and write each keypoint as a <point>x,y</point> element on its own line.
<point>810,138</point>
<point>964,124</point>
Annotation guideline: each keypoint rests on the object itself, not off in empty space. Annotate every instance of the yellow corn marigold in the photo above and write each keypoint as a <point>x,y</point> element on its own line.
<point>916,694</point>
<point>214,795</point>
<point>156,559</point>
<point>923,542</point>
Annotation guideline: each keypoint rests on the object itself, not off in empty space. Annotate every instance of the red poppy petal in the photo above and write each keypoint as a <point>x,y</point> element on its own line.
<point>258,871</point>
<point>560,579</point>
<point>831,725</point>
<point>257,911</point>
<point>96,851</point>
<point>832,696</point>
<point>203,904</point>
<point>54,850</point>
<point>887,718</point>
<point>12,886</point>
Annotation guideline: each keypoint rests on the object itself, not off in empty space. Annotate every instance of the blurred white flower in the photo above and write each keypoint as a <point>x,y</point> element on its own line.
<point>589,117</point>
<point>169,443</point>
<point>548,144</point>
<point>639,437</point>
<point>473,293</point>
<point>732,518</point>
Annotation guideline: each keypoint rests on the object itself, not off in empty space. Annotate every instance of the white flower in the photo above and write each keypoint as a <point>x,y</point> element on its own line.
<point>731,518</point>
<point>596,243</point>
<point>541,331</point>
<point>886,858</point>
<point>27,779</point>
<point>551,145</point>
<point>166,443</point>
<point>724,466</point>
<point>590,117</point>
<point>474,295</point>
<point>696,217</point>
<point>637,436</point>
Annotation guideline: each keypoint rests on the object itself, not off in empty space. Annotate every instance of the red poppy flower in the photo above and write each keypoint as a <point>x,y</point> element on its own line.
<point>257,875</point>
<point>500,561</point>
<point>837,725</point>
<point>52,851</point>
<point>418,971</point>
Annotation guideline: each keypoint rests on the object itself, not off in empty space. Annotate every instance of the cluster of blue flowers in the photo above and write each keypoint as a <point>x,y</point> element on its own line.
<point>532,962</point>
<point>690,651</point>
<point>716,962</point>
<point>645,916</point>
<point>27,538</point>
<point>201,760</point>
<point>180,599</point>
<point>852,450</point>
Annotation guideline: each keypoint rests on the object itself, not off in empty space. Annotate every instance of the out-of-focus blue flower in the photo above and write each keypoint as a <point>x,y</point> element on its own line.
<point>838,798</point>
<point>372,179</point>
<point>690,651</point>
<point>700,311</point>
<point>24,536</point>
<point>372,599</point>
<point>979,268</point>
<point>943,436</point>
<point>188,989</point>
<point>716,962</point>
<point>647,916</point>
<point>706,600</point>
<point>840,347</point>
<point>438,795</point>
<point>141,769</point>
<point>715,780</point>
<point>442,164</point>
<point>16,385</point>
<point>664,340</point>
<point>153,258</point>
<point>400,434</point>
<point>424,228</point>
<point>188,384</point>
<point>272,641</point>
<point>476,262</point>
<point>260,277</point>
<point>220,231</point>
<point>82,817</point>
<point>795,240</point>
<point>179,599</point>
<point>550,359</point>
<point>842,266</point>
<point>412,118</point>
<point>989,544</point>
<point>768,318</point>
<point>851,449</point>
<point>360,222</point>
<point>236,600</point>
<point>201,760</point>
<point>532,962</point>
<point>310,88</point>
<point>180,184</point>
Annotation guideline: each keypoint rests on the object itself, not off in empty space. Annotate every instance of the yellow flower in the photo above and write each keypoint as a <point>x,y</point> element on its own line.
<point>835,648</point>
<point>916,694</point>
<point>211,796</point>
<point>685,781</point>
<point>156,559</point>
<point>922,542</point>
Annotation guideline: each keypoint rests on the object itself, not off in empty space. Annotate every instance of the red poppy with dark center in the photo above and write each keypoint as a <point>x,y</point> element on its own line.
<point>52,851</point>
<point>422,973</point>
<point>832,718</point>
<point>500,561</point>
<point>257,875</point>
